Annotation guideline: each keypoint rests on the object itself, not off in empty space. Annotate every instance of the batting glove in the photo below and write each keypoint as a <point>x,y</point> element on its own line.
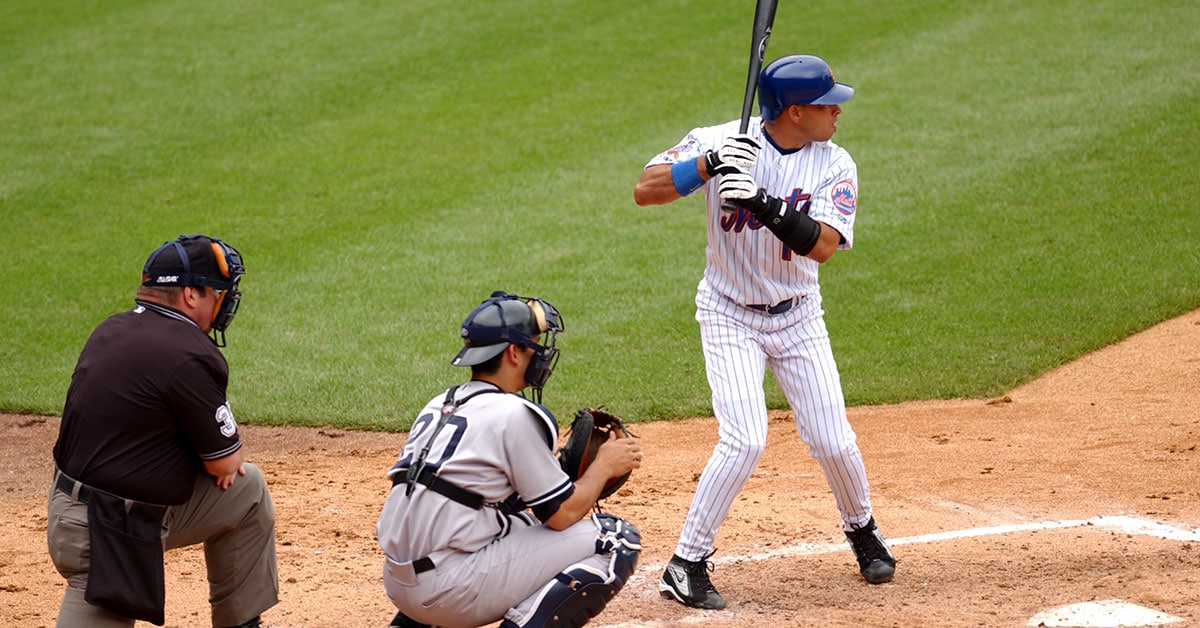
<point>740,189</point>
<point>738,151</point>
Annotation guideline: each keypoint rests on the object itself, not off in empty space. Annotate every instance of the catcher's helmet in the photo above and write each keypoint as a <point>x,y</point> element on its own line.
<point>798,80</point>
<point>503,319</point>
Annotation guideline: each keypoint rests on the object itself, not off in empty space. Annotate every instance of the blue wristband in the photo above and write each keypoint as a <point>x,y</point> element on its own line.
<point>686,176</point>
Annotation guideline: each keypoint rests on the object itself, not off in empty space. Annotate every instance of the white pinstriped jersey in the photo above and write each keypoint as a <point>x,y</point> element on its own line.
<point>746,262</point>
<point>496,444</point>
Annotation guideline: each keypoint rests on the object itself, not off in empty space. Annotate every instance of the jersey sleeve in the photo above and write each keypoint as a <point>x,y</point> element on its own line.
<point>536,474</point>
<point>835,202</point>
<point>698,141</point>
<point>197,396</point>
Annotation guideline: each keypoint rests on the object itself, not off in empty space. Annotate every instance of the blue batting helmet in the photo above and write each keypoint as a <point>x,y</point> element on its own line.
<point>798,80</point>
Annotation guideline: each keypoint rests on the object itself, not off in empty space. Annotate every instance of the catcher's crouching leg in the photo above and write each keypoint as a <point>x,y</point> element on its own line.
<point>582,590</point>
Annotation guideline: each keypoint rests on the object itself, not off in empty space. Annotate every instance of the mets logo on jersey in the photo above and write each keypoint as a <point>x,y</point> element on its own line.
<point>844,197</point>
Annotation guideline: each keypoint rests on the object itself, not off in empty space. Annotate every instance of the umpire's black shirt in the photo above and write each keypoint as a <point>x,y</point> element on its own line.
<point>145,406</point>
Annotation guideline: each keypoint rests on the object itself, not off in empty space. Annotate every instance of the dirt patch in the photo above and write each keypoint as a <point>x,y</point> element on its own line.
<point>1052,479</point>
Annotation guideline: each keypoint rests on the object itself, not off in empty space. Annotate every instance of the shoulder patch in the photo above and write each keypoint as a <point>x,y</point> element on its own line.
<point>690,146</point>
<point>844,197</point>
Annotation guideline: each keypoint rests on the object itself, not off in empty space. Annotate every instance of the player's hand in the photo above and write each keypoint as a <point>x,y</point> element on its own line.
<point>225,481</point>
<point>621,454</point>
<point>738,186</point>
<point>738,151</point>
<point>740,189</point>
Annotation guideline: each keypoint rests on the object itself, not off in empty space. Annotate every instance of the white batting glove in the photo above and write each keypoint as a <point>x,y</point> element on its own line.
<point>738,186</point>
<point>740,151</point>
<point>740,189</point>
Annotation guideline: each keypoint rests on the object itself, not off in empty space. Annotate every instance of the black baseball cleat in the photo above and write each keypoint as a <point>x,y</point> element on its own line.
<point>687,582</point>
<point>875,560</point>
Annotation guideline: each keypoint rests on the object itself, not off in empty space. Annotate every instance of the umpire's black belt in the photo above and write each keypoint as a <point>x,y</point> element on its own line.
<point>778,308</point>
<point>68,486</point>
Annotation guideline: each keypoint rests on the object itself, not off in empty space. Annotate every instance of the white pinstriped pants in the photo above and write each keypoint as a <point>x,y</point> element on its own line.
<point>739,344</point>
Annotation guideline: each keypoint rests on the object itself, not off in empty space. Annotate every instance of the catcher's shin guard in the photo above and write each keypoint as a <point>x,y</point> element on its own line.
<point>582,590</point>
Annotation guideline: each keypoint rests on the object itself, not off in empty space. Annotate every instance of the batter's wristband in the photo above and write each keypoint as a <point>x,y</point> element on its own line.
<point>686,176</point>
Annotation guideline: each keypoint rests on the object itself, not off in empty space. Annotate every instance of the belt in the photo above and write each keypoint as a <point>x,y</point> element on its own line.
<point>421,565</point>
<point>778,308</point>
<point>67,485</point>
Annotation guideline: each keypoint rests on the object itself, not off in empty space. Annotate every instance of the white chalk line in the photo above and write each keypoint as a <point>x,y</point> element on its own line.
<point>645,580</point>
<point>1128,525</point>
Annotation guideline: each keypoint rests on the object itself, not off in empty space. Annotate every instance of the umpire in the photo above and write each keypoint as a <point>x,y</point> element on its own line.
<point>148,456</point>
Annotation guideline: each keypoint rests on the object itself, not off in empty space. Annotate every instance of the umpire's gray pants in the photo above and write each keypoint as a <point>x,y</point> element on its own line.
<point>236,526</point>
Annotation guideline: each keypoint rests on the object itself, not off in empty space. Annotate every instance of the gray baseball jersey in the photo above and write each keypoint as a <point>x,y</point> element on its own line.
<point>498,445</point>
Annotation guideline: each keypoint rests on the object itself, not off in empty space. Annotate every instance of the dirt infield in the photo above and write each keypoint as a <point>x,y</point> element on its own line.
<point>1081,486</point>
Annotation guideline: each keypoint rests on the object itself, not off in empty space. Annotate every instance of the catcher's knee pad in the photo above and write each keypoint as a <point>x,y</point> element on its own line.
<point>582,590</point>
<point>575,596</point>
<point>620,538</point>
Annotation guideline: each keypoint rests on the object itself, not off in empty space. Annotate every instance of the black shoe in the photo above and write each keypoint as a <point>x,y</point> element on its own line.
<point>875,560</point>
<point>687,581</point>
<point>404,621</point>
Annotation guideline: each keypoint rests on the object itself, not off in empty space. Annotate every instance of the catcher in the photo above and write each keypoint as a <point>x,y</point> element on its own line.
<point>482,523</point>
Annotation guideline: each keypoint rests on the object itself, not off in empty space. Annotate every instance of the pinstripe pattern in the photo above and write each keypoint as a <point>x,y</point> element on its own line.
<point>747,264</point>
<point>744,260</point>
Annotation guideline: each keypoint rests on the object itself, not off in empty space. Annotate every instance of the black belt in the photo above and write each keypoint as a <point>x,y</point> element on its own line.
<point>778,308</point>
<point>421,565</point>
<point>67,485</point>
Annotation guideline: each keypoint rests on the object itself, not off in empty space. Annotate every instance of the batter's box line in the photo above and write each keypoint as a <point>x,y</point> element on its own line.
<point>1124,524</point>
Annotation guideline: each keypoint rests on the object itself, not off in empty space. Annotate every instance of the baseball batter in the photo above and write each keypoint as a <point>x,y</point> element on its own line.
<point>482,524</point>
<point>795,196</point>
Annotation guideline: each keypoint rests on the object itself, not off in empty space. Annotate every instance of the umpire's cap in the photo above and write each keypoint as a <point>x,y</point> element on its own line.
<point>798,80</point>
<point>503,319</point>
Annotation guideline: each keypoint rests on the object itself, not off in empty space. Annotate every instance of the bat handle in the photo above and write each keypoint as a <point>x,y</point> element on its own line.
<point>728,206</point>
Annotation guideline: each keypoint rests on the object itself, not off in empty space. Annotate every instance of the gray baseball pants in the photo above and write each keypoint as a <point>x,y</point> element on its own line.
<point>236,526</point>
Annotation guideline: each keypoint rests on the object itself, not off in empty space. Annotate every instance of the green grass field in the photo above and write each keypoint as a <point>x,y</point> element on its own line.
<point>1028,177</point>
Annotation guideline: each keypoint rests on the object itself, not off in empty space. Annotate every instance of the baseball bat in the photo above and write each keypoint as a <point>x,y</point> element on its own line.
<point>764,18</point>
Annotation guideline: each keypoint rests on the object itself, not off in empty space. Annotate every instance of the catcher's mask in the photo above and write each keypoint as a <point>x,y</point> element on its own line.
<point>198,260</point>
<point>505,318</point>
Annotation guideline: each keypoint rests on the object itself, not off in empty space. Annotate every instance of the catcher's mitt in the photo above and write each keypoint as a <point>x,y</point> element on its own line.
<point>587,432</point>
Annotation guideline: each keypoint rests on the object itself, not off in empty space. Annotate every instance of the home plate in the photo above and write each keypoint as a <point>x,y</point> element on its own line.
<point>1102,614</point>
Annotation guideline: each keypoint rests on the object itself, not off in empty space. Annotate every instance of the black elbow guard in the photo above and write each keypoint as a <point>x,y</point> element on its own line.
<point>792,226</point>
